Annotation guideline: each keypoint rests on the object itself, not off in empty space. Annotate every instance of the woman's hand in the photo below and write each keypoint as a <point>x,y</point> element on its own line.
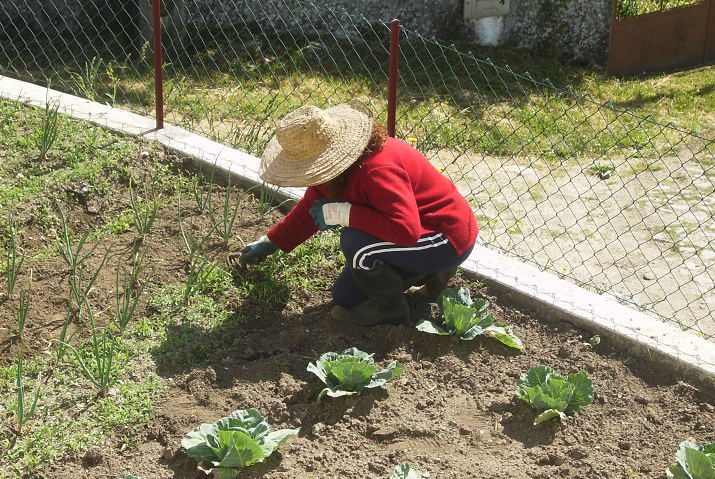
<point>257,251</point>
<point>330,213</point>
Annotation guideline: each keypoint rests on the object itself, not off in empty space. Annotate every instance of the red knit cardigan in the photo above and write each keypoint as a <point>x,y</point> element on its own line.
<point>397,195</point>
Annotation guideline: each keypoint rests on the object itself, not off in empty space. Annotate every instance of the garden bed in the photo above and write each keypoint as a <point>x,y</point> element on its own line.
<point>246,342</point>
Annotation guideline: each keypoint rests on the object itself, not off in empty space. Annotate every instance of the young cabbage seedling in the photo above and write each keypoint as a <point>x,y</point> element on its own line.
<point>467,319</point>
<point>350,372</point>
<point>404,471</point>
<point>693,462</point>
<point>552,395</point>
<point>234,442</point>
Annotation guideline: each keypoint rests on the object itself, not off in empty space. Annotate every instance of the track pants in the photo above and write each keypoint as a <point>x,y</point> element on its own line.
<point>431,254</point>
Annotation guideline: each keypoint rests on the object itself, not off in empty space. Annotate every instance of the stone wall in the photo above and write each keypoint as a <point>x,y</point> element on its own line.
<point>578,29</point>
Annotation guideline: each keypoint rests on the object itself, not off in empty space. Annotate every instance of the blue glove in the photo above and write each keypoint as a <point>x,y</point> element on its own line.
<point>330,213</point>
<point>257,251</point>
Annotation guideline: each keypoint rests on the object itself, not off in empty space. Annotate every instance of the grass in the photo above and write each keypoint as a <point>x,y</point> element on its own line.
<point>86,398</point>
<point>237,82</point>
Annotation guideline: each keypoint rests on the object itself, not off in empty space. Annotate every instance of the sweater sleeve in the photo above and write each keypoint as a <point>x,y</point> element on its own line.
<point>392,214</point>
<point>297,226</point>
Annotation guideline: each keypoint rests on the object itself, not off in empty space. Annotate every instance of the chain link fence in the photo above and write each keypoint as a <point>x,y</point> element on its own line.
<point>615,202</point>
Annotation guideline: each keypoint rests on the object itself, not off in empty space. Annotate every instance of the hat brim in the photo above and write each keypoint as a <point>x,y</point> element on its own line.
<point>353,122</point>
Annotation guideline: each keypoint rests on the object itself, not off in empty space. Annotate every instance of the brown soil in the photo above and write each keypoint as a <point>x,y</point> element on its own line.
<point>451,414</point>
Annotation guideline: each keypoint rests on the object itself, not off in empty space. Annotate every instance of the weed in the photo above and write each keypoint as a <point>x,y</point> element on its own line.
<point>88,80</point>
<point>602,171</point>
<point>198,277</point>
<point>4,120</point>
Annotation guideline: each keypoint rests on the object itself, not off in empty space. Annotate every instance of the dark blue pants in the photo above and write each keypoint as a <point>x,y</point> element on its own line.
<point>431,254</point>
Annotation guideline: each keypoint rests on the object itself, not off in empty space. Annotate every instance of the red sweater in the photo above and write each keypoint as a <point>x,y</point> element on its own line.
<point>397,195</point>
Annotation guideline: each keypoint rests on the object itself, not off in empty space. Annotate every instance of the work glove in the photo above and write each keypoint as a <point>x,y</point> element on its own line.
<point>257,251</point>
<point>330,213</point>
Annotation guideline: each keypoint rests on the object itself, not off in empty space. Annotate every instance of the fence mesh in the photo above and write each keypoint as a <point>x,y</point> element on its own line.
<point>615,202</point>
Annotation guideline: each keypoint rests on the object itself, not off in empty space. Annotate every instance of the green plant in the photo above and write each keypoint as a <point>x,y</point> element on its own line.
<point>234,442</point>
<point>87,80</point>
<point>12,265</point>
<point>197,185</point>
<point>144,217</point>
<point>192,244</point>
<point>467,319</point>
<point>404,471</point>
<point>99,370</point>
<point>693,462</point>
<point>6,119</point>
<point>22,307</point>
<point>65,245</point>
<point>224,225</point>
<point>602,171</point>
<point>79,291</point>
<point>198,276</point>
<point>125,303</point>
<point>45,136</point>
<point>22,417</point>
<point>266,198</point>
<point>552,395</point>
<point>63,340</point>
<point>113,70</point>
<point>350,372</point>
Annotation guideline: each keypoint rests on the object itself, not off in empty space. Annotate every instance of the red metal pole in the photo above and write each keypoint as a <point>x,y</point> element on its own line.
<point>158,80</point>
<point>392,89</point>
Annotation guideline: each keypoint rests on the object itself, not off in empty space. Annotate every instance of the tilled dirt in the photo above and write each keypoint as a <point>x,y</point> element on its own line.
<point>451,414</point>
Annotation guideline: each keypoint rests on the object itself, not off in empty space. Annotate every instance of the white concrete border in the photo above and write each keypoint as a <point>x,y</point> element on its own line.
<point>639,334</point>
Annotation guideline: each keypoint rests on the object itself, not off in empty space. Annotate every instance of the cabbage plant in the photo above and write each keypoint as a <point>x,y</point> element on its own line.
<point>404,471</point>
<point>467,319</point>
<point>693,462</point>
<point>350,372</point>
<point>234,442</point>
<point>552,395</point>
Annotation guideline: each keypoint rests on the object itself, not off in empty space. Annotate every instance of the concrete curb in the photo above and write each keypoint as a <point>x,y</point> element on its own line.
<point>555,299</point>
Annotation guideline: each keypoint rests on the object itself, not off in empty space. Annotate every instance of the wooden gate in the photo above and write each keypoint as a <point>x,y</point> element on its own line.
<point>665,40</point>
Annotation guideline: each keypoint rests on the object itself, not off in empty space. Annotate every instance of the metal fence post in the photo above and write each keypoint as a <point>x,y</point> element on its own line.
<point>158,80</point>
<point>392,90</point>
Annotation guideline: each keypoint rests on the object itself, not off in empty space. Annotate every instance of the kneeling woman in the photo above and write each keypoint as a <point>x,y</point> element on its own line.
<point>403,222</point>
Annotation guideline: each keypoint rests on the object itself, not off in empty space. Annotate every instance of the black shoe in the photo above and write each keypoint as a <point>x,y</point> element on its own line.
<point>436,283</point>
<point>369,314</point>
<point>386,301</point>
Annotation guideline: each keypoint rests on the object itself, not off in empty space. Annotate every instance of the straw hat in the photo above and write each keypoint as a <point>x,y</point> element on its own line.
<point>312,146</point>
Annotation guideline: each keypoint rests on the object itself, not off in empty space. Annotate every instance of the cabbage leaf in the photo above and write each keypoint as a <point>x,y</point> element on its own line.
<point>693,462</point>
<point>234,442</point>
<point>467,319</point>
<point>552,395</point>
<point>350,372</point>
<point>404,471</point>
